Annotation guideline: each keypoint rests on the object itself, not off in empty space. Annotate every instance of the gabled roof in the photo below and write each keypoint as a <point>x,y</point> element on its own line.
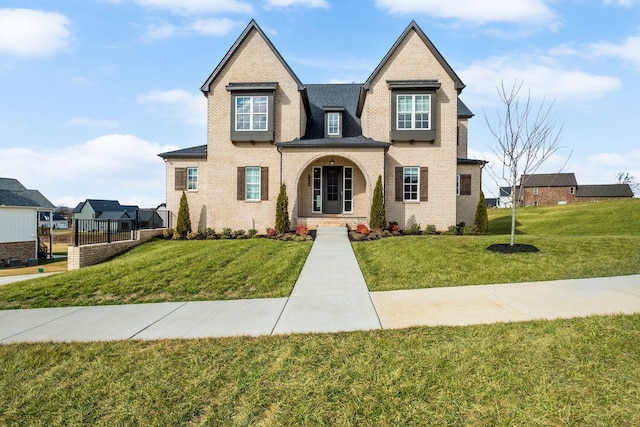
<point>198,152</point>
<point>506,191</point>
<point>13,193</point>
<point>605,190</point>
<point>112,215</point>
<point>549,180</point>
<point>413,26</point>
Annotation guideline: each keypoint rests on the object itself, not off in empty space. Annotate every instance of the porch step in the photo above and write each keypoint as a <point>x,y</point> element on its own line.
<point>331,230</point>
<point>315,223</point>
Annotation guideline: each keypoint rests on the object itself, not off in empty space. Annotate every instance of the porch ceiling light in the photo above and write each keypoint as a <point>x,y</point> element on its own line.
<point>332,162</point>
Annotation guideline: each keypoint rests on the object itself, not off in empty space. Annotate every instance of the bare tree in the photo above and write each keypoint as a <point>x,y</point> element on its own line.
<point>626,178</point>
<point>526,136</point>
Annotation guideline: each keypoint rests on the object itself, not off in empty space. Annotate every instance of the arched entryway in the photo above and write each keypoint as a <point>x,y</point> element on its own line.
<point>332,190</point>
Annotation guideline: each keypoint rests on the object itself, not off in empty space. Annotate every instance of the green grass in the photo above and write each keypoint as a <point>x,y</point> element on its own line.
<point>562,372</point>
<point>621,218</point>
<point>171,271</point>
<point>575,241</point>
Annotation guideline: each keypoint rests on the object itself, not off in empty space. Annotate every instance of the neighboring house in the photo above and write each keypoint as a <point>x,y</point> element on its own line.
<point>148,219</point>
<point>104,210</point>
<point>51,220</point>
<point>563,188</point>
<point>492,202</point>
<point>504,201</point>
<point>329,142</point>
<point>19,220</point>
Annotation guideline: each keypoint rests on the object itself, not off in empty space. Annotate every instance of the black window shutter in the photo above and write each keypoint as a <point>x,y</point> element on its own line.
<point>399,186</point>
<point>264,183</point>
<point>240,182</point>
<point>465,185</point>
<point>424,184</point>
<point>181,179</point>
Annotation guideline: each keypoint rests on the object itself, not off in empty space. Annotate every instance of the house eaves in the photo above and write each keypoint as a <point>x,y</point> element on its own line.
<point>253,25</point>
<point>413,26</point>
<point>197,152</point>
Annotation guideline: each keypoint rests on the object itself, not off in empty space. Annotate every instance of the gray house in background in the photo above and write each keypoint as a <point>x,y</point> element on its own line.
<point>104,210</point>
<point>19,208</point>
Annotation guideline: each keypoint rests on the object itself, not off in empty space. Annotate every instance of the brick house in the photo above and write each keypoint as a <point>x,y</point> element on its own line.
<point>329,142</point>
<point>563,188</point>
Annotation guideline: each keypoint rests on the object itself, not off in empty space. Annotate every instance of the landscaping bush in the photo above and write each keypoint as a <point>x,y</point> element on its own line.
<point>430,229</point>
<point>482,220</point>
<point>252,233</point>
<point>362,229</point>
<point>377,216</point>
<point>302,230</point>
<point>238,234</point>
<point>282,211</point>
<point>183,223</point>
<point>394,227</point>
<point>413,230</point>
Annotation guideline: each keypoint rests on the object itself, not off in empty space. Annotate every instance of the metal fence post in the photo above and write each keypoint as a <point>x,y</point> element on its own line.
<point>75,233</point>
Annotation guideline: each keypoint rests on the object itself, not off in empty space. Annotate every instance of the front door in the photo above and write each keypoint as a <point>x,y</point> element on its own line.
<point>332,183</point>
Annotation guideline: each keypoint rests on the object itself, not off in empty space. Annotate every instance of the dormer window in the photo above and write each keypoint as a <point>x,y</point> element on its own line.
<point>333,122</point>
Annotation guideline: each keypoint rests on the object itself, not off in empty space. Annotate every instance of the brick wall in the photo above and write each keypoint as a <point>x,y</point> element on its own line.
<point>413,61</point>
<point>84,256</point>
<point>548,196</point>
<point>19,250</point>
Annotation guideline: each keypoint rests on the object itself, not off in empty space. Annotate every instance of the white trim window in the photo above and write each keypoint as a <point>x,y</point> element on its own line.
<point>535,191</point>
<point>317,190</point>
<point>252,183</point>
<point>411,183</point>
<point>348,189</point>
<point>251,113</point>
<point>192,179</point>
<point>333,124</point>
<point>413,112</point>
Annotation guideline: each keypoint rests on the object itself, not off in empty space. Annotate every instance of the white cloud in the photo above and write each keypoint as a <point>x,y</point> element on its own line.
<point>623,3</point>
<point>543,76</point>
<point>122,167</point>
<point>191,7</point>
<point>180,104</point>
<point>628,50</point>
<point>92,122</point>
<point>208,26</point>
<point>473,11</point>
<point>33,32</point>
<point>287,3</point>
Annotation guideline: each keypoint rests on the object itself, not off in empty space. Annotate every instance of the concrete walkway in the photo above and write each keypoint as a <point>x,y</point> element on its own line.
<point>329,296</point>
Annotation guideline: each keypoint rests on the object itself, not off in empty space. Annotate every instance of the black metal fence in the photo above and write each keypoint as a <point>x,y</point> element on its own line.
<point>92,231</point>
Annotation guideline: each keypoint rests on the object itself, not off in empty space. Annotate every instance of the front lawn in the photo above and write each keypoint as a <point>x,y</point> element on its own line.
<point>414,262</point>
<point>561,372</point>
<point>171,271</point>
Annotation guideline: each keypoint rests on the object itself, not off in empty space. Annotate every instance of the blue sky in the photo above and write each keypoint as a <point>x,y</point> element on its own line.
<point>92,90</point>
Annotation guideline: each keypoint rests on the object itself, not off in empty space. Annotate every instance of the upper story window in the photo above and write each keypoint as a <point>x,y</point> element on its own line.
<point>535,191</point>
<point>413,112</point>
<point>572,190</point>
<point>192,179</point>
<point>251,113</point>
<point>333,124</point>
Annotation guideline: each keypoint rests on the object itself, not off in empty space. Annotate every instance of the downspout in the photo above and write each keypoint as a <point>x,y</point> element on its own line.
<point>280,151</point>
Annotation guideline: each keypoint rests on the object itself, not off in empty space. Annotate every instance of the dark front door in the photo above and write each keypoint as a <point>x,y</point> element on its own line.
<point>332,189</point>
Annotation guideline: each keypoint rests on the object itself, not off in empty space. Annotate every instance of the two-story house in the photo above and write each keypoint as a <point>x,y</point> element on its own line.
<point>329,142</point>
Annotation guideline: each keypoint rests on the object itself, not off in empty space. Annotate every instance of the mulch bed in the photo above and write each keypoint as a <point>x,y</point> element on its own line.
<point>505,248</point>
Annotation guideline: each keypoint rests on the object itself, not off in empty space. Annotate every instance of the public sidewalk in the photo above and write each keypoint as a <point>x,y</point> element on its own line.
<point>329,296</point>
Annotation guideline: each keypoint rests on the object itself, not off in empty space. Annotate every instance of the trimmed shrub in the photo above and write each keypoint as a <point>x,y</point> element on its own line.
<point>430,229</point>
<point>252,233</point>
<point>362,229</point>
<point>482,220</point>
<point>302,230</point>
<point>377,216</point>
<point>282,211</point>
<point>183,225</point>
<point>414,229</point>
